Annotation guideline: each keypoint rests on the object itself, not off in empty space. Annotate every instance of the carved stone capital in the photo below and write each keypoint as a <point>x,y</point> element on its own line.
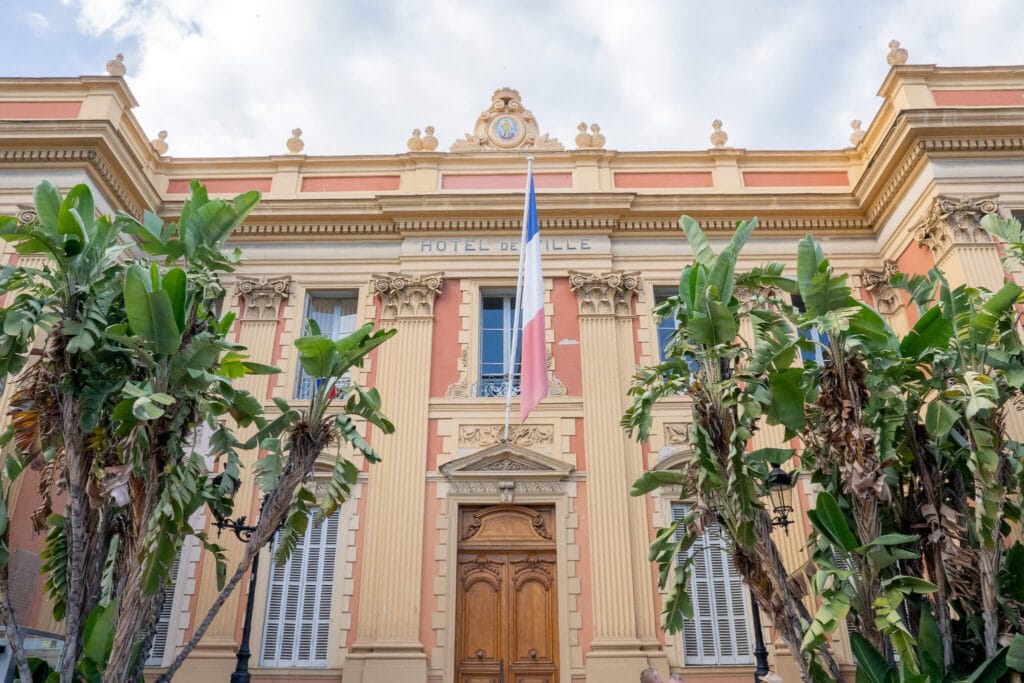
<point>263,295</point>
<point>605,294</point>
<point>887,299</point>
<point>955,220</point>
<point>407,296</point>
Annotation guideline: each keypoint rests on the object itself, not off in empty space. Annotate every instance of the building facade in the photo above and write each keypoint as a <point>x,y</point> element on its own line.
<point>462,552</point>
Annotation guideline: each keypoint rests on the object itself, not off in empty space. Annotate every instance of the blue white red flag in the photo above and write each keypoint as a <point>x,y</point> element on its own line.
<point>533,372</point>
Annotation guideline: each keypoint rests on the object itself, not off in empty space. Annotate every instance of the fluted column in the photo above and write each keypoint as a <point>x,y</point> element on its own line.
<point>260,318</point>
<point>388,644</point>
<point>966,254</point>
<point>623,592</point>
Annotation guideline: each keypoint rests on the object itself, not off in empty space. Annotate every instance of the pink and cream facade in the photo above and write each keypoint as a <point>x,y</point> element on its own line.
<point>461,552</point>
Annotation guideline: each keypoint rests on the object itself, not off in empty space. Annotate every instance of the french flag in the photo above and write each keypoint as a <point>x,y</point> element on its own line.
<point>534,370</point>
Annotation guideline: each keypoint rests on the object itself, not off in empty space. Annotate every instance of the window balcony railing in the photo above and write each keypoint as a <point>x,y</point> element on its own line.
<point>495,386</point>
<point>306,384</point>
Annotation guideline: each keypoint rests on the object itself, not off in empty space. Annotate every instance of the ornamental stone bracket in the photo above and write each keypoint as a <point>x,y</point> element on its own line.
<point>506,124</point>
<point>955,220</point>
<point>506,469</point>
<point>263,295</point>
<point>407,296</point>
<point>876,282</point>
<point>605,294</point>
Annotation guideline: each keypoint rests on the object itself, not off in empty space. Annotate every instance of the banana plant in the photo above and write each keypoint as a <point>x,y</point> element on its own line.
<point>727,381</point>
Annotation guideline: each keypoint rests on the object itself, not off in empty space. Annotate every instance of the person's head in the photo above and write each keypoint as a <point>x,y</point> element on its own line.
<point>650,676</point>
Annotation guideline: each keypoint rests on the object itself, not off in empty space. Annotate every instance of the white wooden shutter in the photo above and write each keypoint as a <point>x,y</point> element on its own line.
<point>720,632</point>
<point>160,636</point>
<point>297,626</point>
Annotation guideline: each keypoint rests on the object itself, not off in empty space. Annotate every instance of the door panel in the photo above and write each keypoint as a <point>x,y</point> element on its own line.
<point>507,607</point>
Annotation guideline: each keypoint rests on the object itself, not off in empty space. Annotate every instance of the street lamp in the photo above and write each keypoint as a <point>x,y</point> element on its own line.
<point>780,490</point>
<point>243,532</point>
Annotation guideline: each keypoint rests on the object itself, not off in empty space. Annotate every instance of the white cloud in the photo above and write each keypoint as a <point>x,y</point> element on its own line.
<point>37,23</point>
<point>235,76</point>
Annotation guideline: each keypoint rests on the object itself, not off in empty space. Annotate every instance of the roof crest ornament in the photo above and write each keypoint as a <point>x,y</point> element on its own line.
<point>506,124</point>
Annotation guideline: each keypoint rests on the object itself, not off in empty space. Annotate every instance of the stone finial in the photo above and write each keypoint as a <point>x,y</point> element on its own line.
<point>160,143</point>
<point>718,137</point>
<point>857,135</point>
<point>115,67</point>
<point>429,141</point>
<point>897,55</point>
<point>583,138</point>
<point>415,143</point>
<point>597,139</point>
<point>295,143</point>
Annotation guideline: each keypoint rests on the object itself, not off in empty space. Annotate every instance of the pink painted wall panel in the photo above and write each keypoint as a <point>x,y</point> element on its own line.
<point>657,180</point>
<point>795,179</point>
<point>504,181</point>
<point>350,183</point>
<point>979,98</point>
<point>39,110</point>
<point>218,185</point>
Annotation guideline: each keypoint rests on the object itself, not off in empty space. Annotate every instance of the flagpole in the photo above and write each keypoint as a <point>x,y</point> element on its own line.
<point>518,316</point>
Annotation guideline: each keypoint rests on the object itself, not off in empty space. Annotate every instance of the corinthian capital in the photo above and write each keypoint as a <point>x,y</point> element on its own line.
<point>955,220</point>
<point>263,295</point>
<point>407,296</point>
<point>605,293</point>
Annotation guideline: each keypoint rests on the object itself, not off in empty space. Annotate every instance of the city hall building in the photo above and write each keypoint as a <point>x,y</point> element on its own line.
<point>462,553</point>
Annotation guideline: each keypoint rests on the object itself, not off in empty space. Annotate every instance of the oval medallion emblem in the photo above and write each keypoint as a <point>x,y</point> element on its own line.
<point>506,128</point>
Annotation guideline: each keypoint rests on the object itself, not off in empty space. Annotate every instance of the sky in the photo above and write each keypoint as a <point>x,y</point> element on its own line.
<point>234,77</point>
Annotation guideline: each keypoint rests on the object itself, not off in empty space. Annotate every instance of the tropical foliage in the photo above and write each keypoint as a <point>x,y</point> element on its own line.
<point>121,362</point>
<point>906,440</point>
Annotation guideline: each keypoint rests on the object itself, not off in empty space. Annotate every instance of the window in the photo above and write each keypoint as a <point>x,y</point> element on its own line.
<point>158,650</point>
<point>666,326</point>
<point>497,313</point>
<point>298,618</point>
<point>336,316</point>
<point>720,632</point>
<point>814,355</point>
<point>166,634</point>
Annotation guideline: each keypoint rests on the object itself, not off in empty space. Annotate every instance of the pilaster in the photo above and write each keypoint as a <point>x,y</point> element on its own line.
<point>260,317</point>
<point>625,637</point>
<point>388,645</point>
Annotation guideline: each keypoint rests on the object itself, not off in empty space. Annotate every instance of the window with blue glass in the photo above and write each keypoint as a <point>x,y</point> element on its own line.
<point>666,326</point>
<point>818,339</point>
<point>497,315</point>
<point>335,313</point>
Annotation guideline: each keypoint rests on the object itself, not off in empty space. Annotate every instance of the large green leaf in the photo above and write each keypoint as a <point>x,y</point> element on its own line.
<point>984,322</point>
<point>721,275</point>
<point>655,479</point>
<point>828,518</point>
<point>702,252</point>
<point>787,406</point>
<point>175,284</point>
<point>929,640</point>
<point>744,229</point>
<point>939,418</point>
<point>99,632</point>
<point>931,331</point>
<point>150,313</point>
<point>1015,653</point>
<point>716,324</point>
<point>871,666</point>
<point>318,355</point>
<point>991,670</point>
<point>47,201</point>
<point>808,256</point>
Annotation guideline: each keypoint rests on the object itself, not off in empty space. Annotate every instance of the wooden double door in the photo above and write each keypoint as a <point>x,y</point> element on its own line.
<point>506,603</point>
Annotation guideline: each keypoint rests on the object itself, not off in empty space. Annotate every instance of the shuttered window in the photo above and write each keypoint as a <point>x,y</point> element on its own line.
<point>720,632</point>
<point>158,650</point>
<point>336,316</point>
<point>298,619</point>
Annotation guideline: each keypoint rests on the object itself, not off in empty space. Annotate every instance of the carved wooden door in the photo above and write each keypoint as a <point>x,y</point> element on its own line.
<point>506,606</point>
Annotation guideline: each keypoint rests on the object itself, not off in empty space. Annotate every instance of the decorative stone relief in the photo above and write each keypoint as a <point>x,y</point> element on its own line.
<point>606,293</point>
<point>887,299</point>
<point>897,55</point>
<point>718,136</point>
<point>116,67</point>
<point>461,388</point>
<point>955,220</point>
<point>677,434</point>
<point>426,143</point>
<point>505,465</point>
<point>263,295</point>
<point>488,435</point>
<point>507,124</point>
<point>857,135</point>
<point>555,386</point>
<point>295,143</point>
<point>26,214</point>
<point>407,296</point>
<point>160,143</point>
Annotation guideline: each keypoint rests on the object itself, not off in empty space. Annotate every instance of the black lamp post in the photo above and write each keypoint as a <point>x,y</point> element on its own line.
<point>243,532</point>
<point>760,651</point>
<point>780,490</point>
